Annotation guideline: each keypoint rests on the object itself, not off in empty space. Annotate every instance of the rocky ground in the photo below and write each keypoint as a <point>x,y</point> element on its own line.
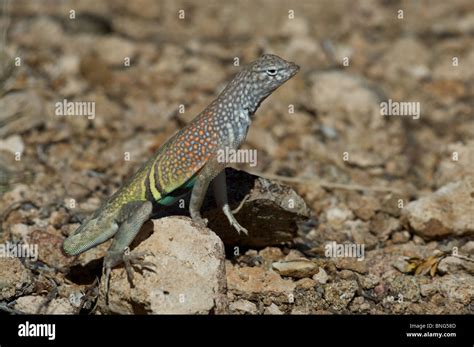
<point>334,170</point>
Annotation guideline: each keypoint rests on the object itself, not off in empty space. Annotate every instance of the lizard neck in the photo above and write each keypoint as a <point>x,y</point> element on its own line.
<point>241,95</point>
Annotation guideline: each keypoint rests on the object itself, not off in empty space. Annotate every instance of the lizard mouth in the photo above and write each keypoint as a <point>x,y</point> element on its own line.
<point>294,68</point>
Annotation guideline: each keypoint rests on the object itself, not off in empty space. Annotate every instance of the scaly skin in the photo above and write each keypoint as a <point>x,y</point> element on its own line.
<point>188,160</point>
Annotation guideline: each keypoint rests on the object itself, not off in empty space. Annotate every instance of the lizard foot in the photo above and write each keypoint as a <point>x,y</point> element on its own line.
<point>238,227</point>
<point>228,213</point>
<point>130,261</point>
<point>136,260</point>
<point>200,220</point>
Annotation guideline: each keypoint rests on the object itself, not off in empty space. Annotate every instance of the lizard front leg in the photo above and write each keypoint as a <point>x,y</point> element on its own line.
<point>132,216</point>
<point>219,187</point>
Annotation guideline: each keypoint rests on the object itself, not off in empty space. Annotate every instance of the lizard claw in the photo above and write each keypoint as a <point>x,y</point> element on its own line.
<point>238,227</point>
<point>200,220</point>
<point>130,261</point>
<point>106,274</point>
<point>233,222</point>
<point>136,260</point>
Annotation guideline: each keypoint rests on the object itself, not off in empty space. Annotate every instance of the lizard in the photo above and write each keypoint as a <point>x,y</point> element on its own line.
<point>185,162</point>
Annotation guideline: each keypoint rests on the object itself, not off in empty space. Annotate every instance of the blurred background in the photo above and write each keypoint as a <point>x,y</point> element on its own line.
<point>353,55</point>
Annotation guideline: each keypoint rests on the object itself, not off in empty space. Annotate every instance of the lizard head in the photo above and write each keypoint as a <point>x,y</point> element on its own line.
<point>269,72</point>
<point>258,80</point>
<point>254,83</point>
<point>92,232</point>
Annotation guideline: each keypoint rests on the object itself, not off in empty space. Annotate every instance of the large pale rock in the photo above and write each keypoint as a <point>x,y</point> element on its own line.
<point>188,276</point>
<point>447,212</point>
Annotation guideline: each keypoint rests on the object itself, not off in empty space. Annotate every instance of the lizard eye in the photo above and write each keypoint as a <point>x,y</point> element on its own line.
<point>271,72</point>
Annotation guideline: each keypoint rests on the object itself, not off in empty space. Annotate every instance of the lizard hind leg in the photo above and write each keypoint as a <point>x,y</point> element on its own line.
<point>220,193</point>
<point>132,217</point>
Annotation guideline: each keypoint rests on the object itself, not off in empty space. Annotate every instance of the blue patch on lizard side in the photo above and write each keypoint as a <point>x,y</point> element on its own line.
<point>176,194</point>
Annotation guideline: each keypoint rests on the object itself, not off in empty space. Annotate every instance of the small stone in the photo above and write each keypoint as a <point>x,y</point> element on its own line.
<point>243,307</point>
<point>251,258</point>
<point>401,236</point>
<point>58,218</point>
<point>296,268</point>
<point>113,50</point>
<point>347,275</point>
<point>348,94</point>
<point>20,232</point>
<point>400,264</point>
<point>251,282</point>
<point>272,309</point>
<point>383,225</point>
<point>354,264</point>
<point>450,170</point>
<point>136,8</point>
<point>467,248</point>
<point>365,160</point>
<point>271,254</point>
<point>337,216</point>
<point>406,287</point>
<point>296,27</point>
<point>391,204</point>
<point>380,289</point>
<point>339,294</point>
<point>262,139</point>
<point>294,254</point>
<point>359,304</point>
<point>50,249</point>
<point>428,289</point>
<point>306,283</point>
<point>12,144</point>
<point>305,50</point>
<point>15,279</point>
<point>455,265</point>
<point>457,287</point>
<point>368,281</point>
<point>360,233</point>
<point>364,207</point>
<point>21,111</point>
<point>321,276</point>
<point>300,310</point>
<point>417,240</point>
<point>407,59</point>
